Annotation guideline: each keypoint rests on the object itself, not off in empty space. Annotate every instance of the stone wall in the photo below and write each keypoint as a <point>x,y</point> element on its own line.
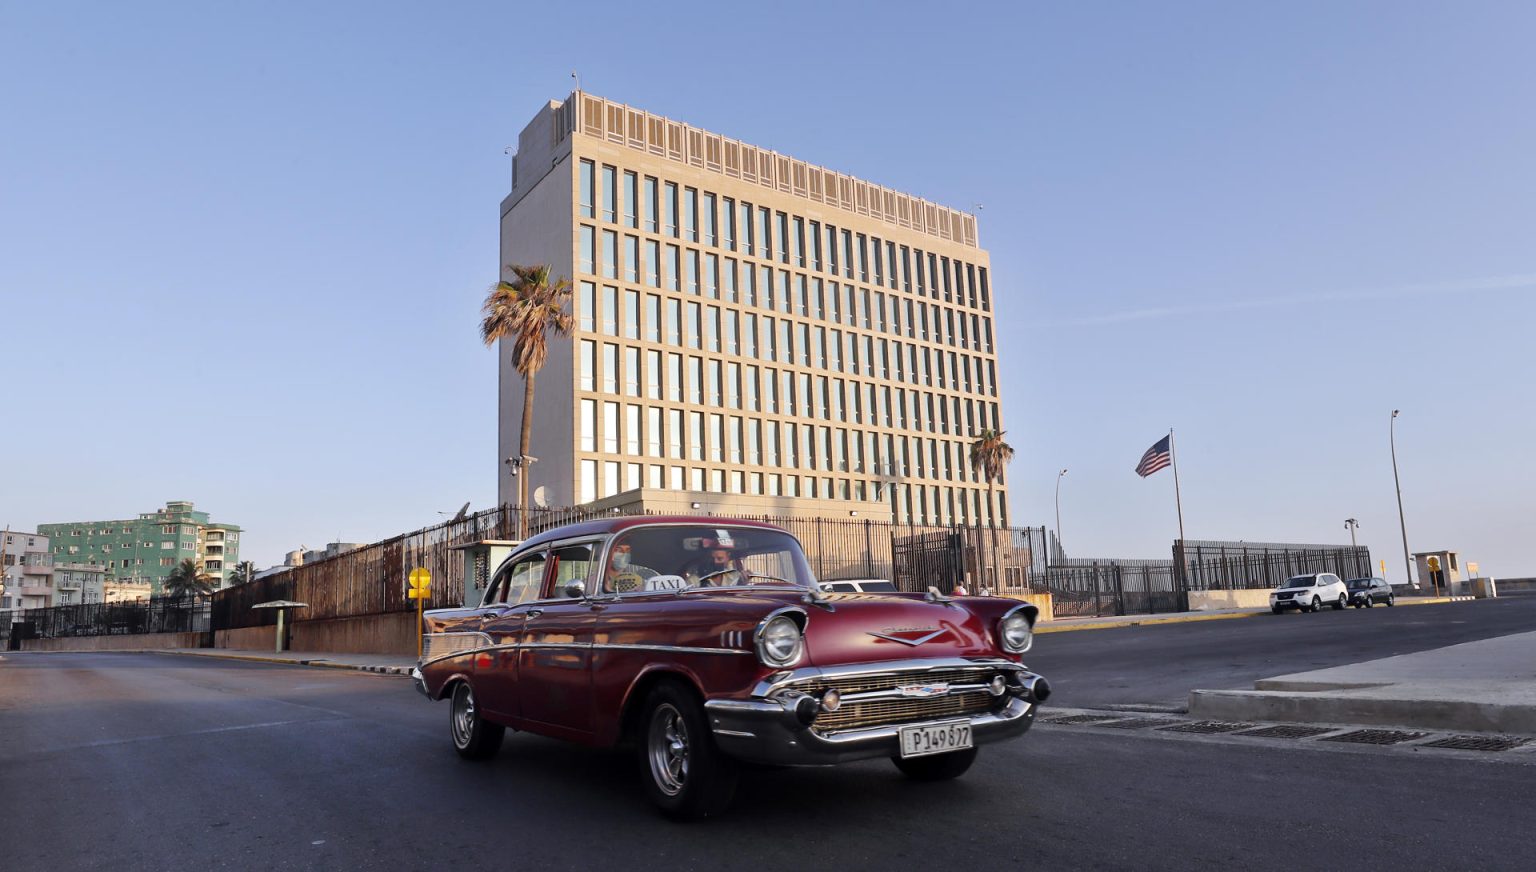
<point>134,642</point>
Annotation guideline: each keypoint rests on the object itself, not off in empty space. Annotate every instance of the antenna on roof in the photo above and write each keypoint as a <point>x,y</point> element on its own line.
<point>577,76</point>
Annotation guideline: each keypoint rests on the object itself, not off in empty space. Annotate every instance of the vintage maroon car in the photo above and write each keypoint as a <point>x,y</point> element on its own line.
<point>704,642</point>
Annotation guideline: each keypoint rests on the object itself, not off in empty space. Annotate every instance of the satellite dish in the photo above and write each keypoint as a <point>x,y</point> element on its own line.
<point>541,497</point>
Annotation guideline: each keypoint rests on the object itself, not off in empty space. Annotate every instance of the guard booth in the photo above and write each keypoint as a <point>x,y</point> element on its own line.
<point>480,560</point>
<point>1439,571</point>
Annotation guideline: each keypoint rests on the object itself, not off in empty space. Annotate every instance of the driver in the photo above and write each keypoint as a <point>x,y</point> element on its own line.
<point>621,575</point>
<point>721,569</point>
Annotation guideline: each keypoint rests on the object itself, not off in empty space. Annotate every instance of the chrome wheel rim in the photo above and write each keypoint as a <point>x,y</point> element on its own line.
<point>667,749</point>
<point>463,715</point>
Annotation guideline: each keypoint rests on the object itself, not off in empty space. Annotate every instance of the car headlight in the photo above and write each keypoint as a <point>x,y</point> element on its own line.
<point>1014,633</point>
<point>780,641</point>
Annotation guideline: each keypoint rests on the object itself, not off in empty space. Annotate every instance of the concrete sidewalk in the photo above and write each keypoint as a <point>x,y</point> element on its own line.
<point>1489,685</point>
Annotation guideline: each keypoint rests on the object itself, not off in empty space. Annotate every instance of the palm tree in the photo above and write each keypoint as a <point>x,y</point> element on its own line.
<point>989,454</point>
<point>242,572</point>
<point>188,579</point>
<point>526,310</point>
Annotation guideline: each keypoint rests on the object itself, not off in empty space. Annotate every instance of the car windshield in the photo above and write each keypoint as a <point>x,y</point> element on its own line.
<point>689,556</point>
<point>1360,584</point>
<point>1300,581</point>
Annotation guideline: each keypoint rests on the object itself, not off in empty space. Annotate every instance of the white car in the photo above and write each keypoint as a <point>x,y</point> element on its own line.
<point>1309,593</point>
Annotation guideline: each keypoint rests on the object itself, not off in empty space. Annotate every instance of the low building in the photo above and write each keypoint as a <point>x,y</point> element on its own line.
<point>26,572</point>
<point>78,583</point>
<point>125,590</point>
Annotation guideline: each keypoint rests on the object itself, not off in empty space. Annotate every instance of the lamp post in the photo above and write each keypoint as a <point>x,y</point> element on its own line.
<point>1397,482</point>
<point>1059,546</point>
<point>1352,525</point>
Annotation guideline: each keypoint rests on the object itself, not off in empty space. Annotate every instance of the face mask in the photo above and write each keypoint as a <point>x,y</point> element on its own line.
<point>621,560</point>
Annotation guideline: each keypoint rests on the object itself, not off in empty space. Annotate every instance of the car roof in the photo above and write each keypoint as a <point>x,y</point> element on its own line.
<point>619,523</point>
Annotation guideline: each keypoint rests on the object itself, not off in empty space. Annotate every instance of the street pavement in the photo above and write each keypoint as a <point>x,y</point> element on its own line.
<point>1155,667</point>
<point>143,761</point>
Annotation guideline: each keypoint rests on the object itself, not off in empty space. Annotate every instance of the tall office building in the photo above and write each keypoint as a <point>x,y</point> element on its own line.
<point>749,327</point>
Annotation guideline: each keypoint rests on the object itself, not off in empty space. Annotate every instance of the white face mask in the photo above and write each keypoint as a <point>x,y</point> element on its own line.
<point>621,559</point>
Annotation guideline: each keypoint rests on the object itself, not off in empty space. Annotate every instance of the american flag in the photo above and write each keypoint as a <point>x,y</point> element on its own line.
<point>1157,457</point>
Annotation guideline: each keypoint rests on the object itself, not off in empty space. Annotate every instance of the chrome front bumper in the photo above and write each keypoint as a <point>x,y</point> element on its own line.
<point>771,730</point>
<point>418,682</point>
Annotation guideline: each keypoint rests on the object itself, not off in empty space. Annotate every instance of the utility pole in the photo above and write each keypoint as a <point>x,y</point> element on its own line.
<point>1402,525</point>
<point>1352,525</point>
<point>1060,547</point>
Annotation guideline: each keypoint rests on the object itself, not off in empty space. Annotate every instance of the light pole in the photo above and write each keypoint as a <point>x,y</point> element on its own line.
<point>1352,525</point>
<point>1397,482</point>
<point>1059,546</point>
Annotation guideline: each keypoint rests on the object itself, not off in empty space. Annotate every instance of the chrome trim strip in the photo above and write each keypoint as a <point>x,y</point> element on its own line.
<point>998,629</point>
<point>757,635</point>
<point>876,695</point>
<point>909,667</point>
<point>683,648</point>
<point>608,646</point>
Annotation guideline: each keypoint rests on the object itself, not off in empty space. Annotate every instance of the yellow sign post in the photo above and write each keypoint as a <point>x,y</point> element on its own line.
<point>420,587</point>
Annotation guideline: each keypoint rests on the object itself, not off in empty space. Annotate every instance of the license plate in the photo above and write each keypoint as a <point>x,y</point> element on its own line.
<point>935,738</point>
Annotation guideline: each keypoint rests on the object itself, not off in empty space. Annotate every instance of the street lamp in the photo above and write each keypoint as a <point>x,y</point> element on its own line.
<point>1058,512</point>
<point>1402,525</point>
<point>1352,525</point>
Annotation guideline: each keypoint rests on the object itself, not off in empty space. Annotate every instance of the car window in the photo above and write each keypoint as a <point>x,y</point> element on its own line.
<point>840,587</point>
<point>520,582</point>
<point>1301,581</point>
<point>879,587</point>
<point>666,557</point>
<point>573,563</point>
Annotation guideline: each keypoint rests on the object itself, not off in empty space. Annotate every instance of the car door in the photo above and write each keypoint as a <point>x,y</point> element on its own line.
<point>503,613</point>
<point>555,652</point>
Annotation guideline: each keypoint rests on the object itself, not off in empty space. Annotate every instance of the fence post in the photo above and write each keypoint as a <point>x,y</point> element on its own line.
<point>1146,584</point>
<point>869,552</point>
<point>1098,601</point>
<point>1120,588</point>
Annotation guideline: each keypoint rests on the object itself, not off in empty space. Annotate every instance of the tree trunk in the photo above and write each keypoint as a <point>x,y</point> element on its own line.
<point>522,454</point>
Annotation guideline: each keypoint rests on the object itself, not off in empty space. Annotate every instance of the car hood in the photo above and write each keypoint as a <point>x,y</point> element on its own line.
<point>868,627</point>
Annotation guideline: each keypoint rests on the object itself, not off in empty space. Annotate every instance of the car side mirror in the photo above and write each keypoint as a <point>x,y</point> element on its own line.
<point>576,589</point>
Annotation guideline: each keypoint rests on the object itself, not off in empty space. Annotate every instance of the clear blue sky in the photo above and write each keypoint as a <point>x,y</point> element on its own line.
<point>244,245</point>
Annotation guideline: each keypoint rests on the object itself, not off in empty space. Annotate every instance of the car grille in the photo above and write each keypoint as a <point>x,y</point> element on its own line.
<point>886,712</point>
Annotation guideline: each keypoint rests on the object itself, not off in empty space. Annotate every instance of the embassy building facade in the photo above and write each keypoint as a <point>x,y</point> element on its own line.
<point>749,328</point>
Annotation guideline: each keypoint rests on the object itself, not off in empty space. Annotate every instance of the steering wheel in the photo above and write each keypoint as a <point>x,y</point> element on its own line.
<point>704,579</point>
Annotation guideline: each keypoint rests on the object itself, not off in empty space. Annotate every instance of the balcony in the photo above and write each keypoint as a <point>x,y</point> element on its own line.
<point>37,569</point>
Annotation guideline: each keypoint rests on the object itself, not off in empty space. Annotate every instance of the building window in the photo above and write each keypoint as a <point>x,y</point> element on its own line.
<point>585,196</point>
<point>587,249</point>
<point>653,432</point>
<point>588,355</point>
<point>610,310</point>
<point>631,193</point>
<point>611,428</point>
<point>632,430</point>
<point>709,219</point>
<point>696,437</point>
<point>648,205</point>
<point>669,209</point>
<point>631,371</point>
<point>632,259</point>
<point>652,318</point>
<point>691,214</point>
<point>653,375</point>
<point>610,195</point>
<point>588,425</point>
<point>610,368</point>
<point>675,377</point>
<point>610,254</point>
<point>588,480</point>
<point>632,314</point>
<point>728,223</point>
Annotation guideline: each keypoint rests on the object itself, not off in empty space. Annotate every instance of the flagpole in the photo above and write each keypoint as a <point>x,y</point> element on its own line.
<point>1177,499</point>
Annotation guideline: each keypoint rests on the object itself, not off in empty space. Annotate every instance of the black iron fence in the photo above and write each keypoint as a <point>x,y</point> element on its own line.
<point>1213,565</point>
<point>156,615</point>
<point>1114,587</point>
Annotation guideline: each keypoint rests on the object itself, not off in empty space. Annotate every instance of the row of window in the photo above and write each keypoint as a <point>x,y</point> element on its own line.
<point>684,323</point>
<point>912,503</point>
<point>682,212</point>
<point>731,385</point>
<point>777,290</point>
<point>652,431</point>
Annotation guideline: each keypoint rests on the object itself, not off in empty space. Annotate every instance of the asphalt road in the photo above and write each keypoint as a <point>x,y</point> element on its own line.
<point>143,761</point>
<point>1155,666</point>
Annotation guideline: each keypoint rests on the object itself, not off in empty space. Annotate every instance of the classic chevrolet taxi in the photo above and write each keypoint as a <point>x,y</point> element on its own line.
<point>703,642</point>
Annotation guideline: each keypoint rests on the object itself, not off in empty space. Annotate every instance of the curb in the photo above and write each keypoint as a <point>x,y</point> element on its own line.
<point>1323,707</point>
<point>1052,627</point>
<point>319,662</point>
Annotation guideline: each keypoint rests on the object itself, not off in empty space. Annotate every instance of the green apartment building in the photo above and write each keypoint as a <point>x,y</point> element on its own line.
<point>148,547</point>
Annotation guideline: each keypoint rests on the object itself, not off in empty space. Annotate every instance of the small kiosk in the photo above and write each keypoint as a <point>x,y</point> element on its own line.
<point>480,560</point>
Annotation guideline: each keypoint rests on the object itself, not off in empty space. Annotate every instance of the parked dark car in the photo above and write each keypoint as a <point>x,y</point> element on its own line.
<point>705,642</point>
<point>1367,592</point>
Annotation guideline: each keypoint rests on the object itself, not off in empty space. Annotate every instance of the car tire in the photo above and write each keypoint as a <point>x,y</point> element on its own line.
<point>473,737</point>
<point>937,767</point>
<point>1339,606</point>
<point>685,774</point>
<point>1275,610</point>
<point>1369,602</point>
<point>1361,605</point>
<point>1392,600</point>
<point>1317,604</point>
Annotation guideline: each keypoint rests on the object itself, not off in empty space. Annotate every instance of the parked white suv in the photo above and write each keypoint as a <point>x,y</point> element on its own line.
<point>1309,593</point>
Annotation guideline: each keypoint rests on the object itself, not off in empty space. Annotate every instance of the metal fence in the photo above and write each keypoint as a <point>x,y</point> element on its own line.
<point>1114,587</point>
<point>1214,565</point>
<point>156,615</point>
<point>371,580</point>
